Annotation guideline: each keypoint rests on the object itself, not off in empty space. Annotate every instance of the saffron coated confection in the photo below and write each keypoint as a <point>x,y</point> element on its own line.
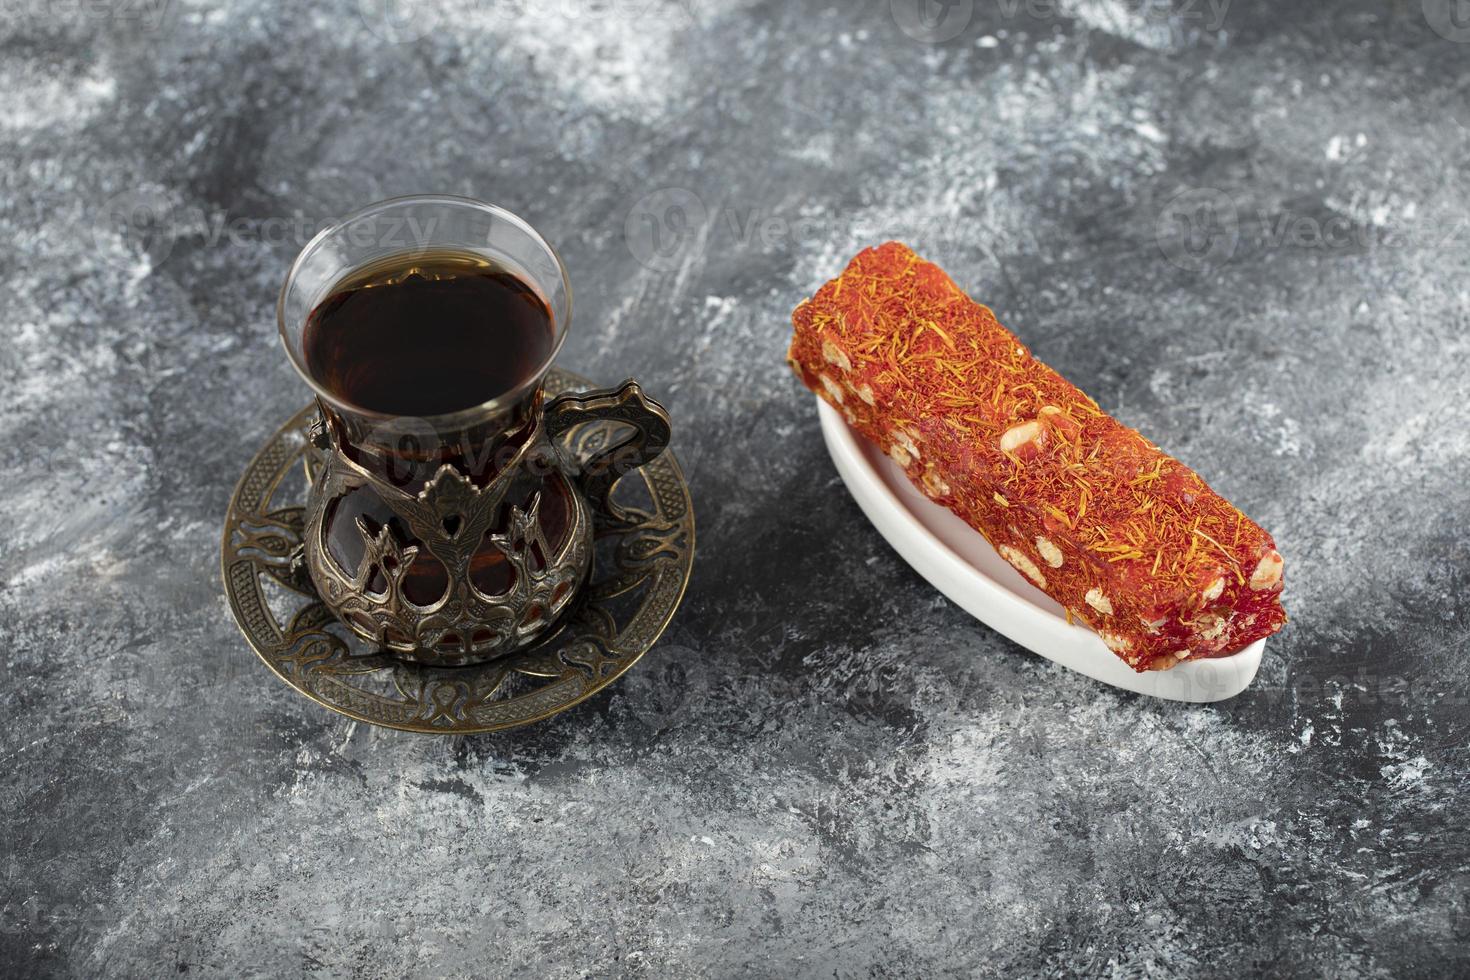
<point>1128,539</point>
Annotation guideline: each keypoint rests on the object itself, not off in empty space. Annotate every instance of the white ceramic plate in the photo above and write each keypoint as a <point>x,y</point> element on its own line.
<point>958,561</point>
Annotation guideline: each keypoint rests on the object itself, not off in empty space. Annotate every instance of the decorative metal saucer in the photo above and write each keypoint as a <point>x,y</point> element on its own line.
<point>638,578</point>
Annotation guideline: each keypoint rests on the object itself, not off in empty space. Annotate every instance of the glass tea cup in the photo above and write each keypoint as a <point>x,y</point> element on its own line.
<point>460,535</point>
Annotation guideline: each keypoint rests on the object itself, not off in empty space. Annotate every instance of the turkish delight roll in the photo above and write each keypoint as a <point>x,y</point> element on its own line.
<point>1128,539</point>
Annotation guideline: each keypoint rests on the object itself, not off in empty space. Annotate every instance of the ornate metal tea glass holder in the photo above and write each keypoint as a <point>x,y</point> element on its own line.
<point>454,522</point>
<point>644,553</point>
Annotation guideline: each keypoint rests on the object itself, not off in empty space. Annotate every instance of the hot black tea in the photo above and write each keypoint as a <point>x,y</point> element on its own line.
<point>427,334</point>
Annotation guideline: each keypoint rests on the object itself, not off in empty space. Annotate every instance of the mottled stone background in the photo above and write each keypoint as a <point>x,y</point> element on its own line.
<point>1241,226</point>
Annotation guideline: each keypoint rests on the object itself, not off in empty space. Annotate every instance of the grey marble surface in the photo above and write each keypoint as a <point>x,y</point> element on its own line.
<point>1241,226</point>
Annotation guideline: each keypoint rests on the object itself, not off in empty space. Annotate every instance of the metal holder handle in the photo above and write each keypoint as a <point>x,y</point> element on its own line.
<point>627,404</point>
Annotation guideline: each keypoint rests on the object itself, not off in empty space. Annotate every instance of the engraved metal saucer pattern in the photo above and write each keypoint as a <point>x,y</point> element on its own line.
<point>641,568</point>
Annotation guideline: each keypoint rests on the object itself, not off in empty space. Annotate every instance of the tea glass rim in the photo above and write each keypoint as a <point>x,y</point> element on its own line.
<point>459,417</point>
